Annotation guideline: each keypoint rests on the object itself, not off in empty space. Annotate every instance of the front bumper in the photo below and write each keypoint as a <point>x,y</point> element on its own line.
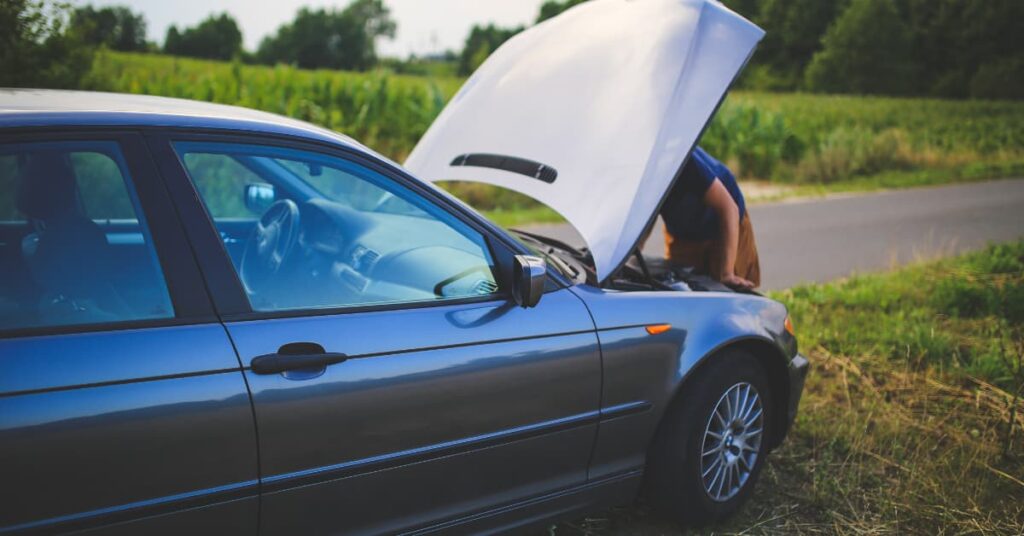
<point>798,367</point>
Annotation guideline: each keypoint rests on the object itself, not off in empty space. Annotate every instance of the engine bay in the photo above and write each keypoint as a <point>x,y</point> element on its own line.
<point>639,273</point>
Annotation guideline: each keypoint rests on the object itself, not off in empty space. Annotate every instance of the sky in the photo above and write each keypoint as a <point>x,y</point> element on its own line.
<point>424,26</point>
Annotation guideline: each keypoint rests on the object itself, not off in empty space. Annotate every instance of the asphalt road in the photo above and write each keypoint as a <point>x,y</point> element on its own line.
<point>823,239</point>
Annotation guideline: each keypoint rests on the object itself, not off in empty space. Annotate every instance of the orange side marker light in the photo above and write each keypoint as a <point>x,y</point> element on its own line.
<point>789,327</point>
<point>655,329</point>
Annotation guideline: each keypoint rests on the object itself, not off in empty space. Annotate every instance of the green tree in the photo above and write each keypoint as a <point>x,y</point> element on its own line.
<point>481,42</point>
<point>999,79</point>
<point>866,50</point>
<point>115,27</point>
<point>216,37</point>
<point>954,39</point>
<point>748,8</point>
<point>551,8</point>
<point>794,31</point>
<point>334,39</point>
<point>38,48</point>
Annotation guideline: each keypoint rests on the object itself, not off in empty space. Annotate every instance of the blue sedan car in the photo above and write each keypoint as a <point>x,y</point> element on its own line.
<point>221,320</point>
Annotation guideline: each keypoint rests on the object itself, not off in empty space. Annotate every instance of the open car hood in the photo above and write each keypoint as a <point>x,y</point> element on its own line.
<point>593,112</point>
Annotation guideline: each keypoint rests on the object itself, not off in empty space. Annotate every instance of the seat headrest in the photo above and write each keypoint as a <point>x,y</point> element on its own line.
<point>46,186</point>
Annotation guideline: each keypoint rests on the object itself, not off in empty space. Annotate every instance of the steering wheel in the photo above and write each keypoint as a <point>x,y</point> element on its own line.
<point>270,245</point>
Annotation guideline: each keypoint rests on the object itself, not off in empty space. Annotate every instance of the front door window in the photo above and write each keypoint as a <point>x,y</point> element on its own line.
<point>306,230</point>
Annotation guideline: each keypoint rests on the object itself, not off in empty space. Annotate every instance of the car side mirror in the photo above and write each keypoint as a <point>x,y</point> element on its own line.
<point>528,278</point>
<point>259,197</point>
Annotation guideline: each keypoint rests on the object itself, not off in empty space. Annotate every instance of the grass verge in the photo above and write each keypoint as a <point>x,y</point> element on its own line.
<point>912,420</point>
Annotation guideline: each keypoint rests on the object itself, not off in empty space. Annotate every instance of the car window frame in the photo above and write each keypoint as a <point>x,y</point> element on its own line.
<point>180,273</point>
<point>230,299</point>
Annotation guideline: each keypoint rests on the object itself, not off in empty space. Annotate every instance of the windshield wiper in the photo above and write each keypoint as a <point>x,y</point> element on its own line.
<point>551,242</point>
<point>562,266</point>
<point>549,252</point>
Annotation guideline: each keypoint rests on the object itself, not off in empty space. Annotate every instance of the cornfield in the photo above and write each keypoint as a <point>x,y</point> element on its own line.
<point>788,137</point>
<point>385,111</point>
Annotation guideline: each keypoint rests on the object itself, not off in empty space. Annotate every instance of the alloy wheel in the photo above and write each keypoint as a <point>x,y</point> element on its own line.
<point>732,441</point>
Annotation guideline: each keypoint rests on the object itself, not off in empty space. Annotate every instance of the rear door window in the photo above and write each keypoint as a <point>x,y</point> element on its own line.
<point>74,247</point>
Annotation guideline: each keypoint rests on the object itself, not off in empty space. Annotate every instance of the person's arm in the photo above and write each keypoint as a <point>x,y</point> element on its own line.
<point>717,197</point>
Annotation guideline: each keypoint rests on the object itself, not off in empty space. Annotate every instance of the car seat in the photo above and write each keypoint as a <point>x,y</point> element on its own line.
<point>67,254</point>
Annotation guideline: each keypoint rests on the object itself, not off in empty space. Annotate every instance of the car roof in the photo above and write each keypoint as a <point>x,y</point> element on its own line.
<point>49,107</point>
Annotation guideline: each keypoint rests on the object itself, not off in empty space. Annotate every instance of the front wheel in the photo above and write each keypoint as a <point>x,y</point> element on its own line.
<point>712,443</point>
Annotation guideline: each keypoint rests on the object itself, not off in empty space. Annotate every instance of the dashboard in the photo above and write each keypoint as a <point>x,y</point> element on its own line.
<point>360,257</point>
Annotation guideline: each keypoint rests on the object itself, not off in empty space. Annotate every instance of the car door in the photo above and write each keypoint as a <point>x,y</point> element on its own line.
<point>434,396</point>
<point>122,405</point>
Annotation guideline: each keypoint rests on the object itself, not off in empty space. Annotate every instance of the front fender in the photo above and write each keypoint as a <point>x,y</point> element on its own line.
<point>646,371</point>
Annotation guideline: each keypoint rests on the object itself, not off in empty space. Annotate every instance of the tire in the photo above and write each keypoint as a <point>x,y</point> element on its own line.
<point>675,481</point>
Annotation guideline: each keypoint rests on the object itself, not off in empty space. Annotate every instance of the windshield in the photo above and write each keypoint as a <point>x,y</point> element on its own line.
<point>340,186</point>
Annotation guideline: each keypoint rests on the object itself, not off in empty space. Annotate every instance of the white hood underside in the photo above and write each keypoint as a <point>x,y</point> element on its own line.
<point>607,99</point>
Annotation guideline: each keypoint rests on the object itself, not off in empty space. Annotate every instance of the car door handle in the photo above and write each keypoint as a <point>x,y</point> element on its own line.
<point>294,356</point>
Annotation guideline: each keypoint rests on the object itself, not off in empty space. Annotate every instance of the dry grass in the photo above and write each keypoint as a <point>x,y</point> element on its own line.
<point>893,452</point>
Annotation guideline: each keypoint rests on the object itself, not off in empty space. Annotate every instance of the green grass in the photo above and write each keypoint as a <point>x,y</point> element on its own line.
<point>954,317</point>
<point>912,419</point>
<point>814,143</point>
